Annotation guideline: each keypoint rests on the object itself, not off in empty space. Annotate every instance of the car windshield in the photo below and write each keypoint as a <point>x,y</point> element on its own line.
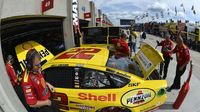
<point>95,35</point>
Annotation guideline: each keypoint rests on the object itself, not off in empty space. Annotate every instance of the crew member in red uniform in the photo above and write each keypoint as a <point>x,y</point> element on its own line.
<point>11,72</point>
<point>183,58</point>
<point>166,44</point>
<point>36,89</point>
<point>121,46</point>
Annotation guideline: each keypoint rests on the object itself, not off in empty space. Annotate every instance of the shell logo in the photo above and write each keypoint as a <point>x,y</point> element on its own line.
<point>137,97</point>
<point>27,46</point>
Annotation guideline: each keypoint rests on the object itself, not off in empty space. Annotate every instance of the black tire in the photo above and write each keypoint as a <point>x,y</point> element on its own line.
<point>113,109</point>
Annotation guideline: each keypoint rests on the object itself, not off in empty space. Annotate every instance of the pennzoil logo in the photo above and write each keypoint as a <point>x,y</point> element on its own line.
<point>137,97</point>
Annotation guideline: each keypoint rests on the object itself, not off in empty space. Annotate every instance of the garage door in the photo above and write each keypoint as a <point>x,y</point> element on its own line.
<point>47,31</point>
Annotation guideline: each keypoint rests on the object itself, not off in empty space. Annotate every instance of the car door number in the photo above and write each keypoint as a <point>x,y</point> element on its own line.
<point>62,100</point>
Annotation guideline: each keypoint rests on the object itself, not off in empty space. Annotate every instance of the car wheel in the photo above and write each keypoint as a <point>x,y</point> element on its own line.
<point>114,109</point>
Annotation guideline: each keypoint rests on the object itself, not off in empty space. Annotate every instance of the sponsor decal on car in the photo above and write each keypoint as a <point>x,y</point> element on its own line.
<point>137,97</point>
<point>145,62</point>
<point>92,97</point>
<point>85,107</point>
<point>76,79</point>
<point>134,84</point>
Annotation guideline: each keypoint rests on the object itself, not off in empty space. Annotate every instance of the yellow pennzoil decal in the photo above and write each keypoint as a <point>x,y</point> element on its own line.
<point>23,48</point>
<point>137,97</point>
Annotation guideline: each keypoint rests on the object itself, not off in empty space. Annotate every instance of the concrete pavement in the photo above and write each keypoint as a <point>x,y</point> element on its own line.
<point>192,100</point>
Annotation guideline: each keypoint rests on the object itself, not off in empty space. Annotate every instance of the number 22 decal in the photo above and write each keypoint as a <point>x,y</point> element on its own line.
<point>80,53</point>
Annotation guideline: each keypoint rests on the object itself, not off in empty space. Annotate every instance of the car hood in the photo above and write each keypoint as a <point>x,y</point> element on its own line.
<point>148,59</point>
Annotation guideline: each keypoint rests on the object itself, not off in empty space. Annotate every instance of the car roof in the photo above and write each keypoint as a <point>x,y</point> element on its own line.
<point>83,55</point>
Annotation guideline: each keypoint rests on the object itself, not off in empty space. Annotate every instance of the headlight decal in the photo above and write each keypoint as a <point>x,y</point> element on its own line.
<point>161,92</point>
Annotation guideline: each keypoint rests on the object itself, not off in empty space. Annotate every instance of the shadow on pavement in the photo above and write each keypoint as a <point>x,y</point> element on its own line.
<point>167,106</point>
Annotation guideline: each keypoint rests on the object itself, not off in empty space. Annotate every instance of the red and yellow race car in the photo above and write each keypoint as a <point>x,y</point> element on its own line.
<point>84,82</point>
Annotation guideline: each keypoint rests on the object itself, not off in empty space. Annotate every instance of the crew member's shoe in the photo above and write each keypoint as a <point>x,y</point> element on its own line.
<point>164,77</point>
<point>171,88</point>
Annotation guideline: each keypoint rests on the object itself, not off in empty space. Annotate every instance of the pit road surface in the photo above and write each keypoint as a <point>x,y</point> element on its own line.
<point>192,100</point>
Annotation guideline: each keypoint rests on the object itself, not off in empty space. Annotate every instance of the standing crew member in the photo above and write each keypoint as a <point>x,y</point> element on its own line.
<point>14,79</point>
<point>11,72</point>
<point>167,45</point>
<point>121,61</point>
<point>142,37</point>
<point>183,58</point>
<point>36,89</point>
<point>132,41</point>
<point>121,46</point>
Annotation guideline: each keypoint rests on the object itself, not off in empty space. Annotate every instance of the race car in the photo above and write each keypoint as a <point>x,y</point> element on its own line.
<point>84,82</point>
<point>23,48</point>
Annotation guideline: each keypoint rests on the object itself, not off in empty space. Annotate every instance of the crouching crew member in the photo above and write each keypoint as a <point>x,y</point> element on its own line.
<point>183,58</point>
<point>166,44</point>
<point>36,89</point>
